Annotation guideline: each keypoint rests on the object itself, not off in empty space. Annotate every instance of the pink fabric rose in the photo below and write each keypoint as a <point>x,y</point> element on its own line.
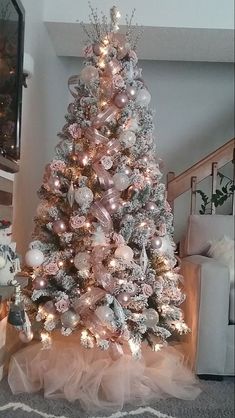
<point>57,165</point>
<point>88,51</point>
<point>51,268</point>
<point>118,82</point>
<point>77,221</point>
<point>147,290</point>
<point>75,131</point>
<point>118,239</point>
<point>62,305</point>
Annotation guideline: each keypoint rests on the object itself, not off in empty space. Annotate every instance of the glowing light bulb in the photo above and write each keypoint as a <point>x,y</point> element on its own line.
<point>101,64</point>
<point>112,263</point>
<point>60,263</point>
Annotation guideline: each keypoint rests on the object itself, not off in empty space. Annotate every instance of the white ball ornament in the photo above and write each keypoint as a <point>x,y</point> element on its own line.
<point>34,257</point>
<point>121,181</point>
<point>105,314</point>
<point>143,97</point>
<point>2,262</point>
<point>83,196</point>
<point>127,138</point>
<point>82,261</point>
<point>124,252</point>
<point>89,74</point>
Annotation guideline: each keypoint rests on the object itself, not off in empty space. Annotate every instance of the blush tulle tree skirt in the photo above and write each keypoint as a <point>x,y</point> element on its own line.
<point>101,380</point>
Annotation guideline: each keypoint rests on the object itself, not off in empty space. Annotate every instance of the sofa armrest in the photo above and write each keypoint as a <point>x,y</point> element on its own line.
<point>207,289</point>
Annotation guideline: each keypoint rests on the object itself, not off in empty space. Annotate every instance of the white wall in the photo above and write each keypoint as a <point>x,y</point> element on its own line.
<point>44,103</point>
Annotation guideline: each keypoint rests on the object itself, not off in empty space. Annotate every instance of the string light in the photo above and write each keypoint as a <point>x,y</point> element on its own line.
<point>112,263</point>
<point>60,263</point>
<point>101,64</point>
<point>157,347</point>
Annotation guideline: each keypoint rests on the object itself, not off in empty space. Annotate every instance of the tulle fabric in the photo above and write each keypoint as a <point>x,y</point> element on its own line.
<point>100,380</point>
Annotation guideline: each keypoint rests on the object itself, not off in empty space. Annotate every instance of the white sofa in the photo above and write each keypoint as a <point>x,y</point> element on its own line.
<point>208,306</point>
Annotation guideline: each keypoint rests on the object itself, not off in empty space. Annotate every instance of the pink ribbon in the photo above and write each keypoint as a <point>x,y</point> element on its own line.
<point>102,215</point>
<point>105,116</point>
<point>110,197</point>
<point>95,137</point>
<point>72,81</point>
<point>105,179</point>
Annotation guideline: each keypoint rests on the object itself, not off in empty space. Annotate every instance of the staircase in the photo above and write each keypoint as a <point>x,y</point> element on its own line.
<point>208,166</point>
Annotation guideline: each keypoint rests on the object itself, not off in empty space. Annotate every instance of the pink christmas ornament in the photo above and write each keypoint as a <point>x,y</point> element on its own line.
<point>131,92</point>
<point>59,227</point>
<point>83,158</point>
<point>112,67</point>
<point>150,206</point>
<point>40,283</point>
<point>121,100</point>
<point>123,298</point>
<point>54,183</point>
<point>121,181</point>
<point>97,49</point>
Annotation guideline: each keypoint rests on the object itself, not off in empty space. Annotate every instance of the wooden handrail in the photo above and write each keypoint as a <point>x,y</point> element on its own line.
<point>181,183</point>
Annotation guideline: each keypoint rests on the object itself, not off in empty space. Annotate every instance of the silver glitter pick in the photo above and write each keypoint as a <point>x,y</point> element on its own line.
<point>115,16</point>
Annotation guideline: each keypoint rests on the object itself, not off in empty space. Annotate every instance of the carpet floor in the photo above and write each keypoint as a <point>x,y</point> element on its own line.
<point>215,401</point>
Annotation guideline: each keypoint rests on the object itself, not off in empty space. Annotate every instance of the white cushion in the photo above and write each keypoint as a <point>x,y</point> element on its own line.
<point>205,228</point>
<point>223,251</point>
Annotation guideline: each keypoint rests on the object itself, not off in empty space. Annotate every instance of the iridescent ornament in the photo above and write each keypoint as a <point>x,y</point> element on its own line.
<point>152,317</point>
<point>59,227</point>
<point>143,97</point>
<point>156,243</point>
<point>124,252</point>
<point>83,196</point>
<point>105,314</point>
<point>40,283</point>
<point>121,100</point>
<point>123,298</point>
<point>121,181</point>
<point>89,74</point>
<point>127,138</point>
<point>70,195</point>
<point>82,261</point>
<point>34,257</point>
<point>70,319</point>
<point>25,337</point>
<point>131,92</point>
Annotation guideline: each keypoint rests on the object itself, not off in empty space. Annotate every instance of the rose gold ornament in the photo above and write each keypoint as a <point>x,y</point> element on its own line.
<point>121,100</point>
<point>59,227</point>
<point>150,206</point>
<point>123,298</point>
<point>83,158</point>
<point>40,283</point>
<point>49,307</point>
<point>131,92</point>
<point>97,49</point>
<point>156,243</point>
<point>112,67</point>
<point>54,183</point>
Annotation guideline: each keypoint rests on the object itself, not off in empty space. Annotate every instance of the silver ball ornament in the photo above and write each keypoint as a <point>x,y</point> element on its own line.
<point>34,257</point>
<point>69,319</point>
<point>127,138</point>
<point>152,317</point>
<point>83,196</point>
<point>143,97</point>
<point>156,243</point>
<point>121,181</point>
